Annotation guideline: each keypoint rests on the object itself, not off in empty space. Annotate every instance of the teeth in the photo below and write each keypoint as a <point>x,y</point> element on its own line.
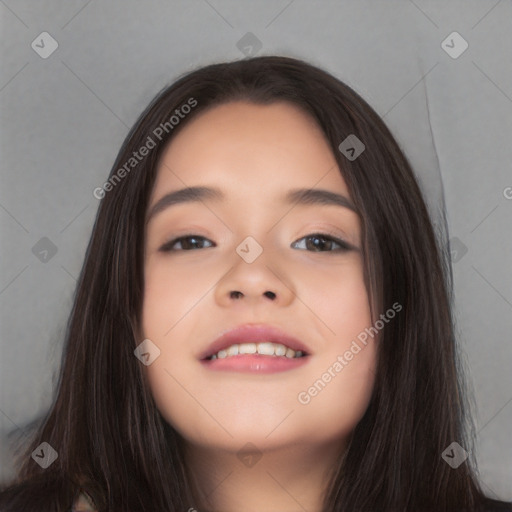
<point>233,350</point>
<point>247,348</point>
<point>264,348</point>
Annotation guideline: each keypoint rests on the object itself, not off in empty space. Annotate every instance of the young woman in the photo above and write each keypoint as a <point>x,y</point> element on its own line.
<point>263,319</point>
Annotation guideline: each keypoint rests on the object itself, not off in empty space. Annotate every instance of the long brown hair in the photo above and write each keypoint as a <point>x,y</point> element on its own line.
<point>110,438</point>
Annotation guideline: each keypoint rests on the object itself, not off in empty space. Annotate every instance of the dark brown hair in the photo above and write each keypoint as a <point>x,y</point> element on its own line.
<point>110,437</point>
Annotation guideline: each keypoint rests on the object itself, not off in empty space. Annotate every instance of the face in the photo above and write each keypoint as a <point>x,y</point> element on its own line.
<point>311,261</point>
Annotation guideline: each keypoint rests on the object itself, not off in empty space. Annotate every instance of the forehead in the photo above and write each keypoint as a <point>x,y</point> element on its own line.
<point>247,147</point>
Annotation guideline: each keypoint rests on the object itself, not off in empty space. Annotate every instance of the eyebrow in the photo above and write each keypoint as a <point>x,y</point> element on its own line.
<point>301,196</point>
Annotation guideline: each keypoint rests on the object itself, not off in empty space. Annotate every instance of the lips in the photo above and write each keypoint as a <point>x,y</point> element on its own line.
<point>253,333</point>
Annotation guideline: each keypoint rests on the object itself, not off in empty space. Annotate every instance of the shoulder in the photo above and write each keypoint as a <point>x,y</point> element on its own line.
<point>83,503</point>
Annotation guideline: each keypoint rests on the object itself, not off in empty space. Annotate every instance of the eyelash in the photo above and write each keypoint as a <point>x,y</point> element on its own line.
<point>344,246</point>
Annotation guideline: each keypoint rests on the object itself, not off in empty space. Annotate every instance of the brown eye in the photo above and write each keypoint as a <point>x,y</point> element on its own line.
<point>188,242</point>
<point>319,242</point>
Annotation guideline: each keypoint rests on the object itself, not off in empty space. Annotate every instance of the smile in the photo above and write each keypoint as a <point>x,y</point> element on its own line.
<point>264,348</point>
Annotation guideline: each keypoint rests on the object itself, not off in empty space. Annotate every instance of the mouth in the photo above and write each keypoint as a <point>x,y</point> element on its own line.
<point>257,341</point>
<point>265,348</point>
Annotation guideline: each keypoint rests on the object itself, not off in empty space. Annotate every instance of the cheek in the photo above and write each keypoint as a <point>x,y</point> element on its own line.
<point>173,403</point>
<point>168,296</point>
<point>343,377</point>
<point>169,305</point>
<point>158,309</point>
<point>339,398</point>
<point>341,300</point>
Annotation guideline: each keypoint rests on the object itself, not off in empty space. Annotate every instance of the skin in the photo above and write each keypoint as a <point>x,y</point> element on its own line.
<point>255,154</point>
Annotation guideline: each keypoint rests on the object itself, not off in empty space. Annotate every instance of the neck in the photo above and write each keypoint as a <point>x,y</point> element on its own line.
<point>284,479</point>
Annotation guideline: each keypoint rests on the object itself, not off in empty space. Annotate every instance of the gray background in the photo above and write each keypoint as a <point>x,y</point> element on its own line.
<point>64,118</point>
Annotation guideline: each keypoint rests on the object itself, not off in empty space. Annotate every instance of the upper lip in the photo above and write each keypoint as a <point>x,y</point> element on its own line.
<point>253,333</point>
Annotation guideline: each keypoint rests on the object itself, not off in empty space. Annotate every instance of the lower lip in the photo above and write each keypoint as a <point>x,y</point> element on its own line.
<point>255,363</point>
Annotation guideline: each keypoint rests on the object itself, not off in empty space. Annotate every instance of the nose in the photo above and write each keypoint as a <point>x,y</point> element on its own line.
<point>236,294</point>
<point>259,282</point>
